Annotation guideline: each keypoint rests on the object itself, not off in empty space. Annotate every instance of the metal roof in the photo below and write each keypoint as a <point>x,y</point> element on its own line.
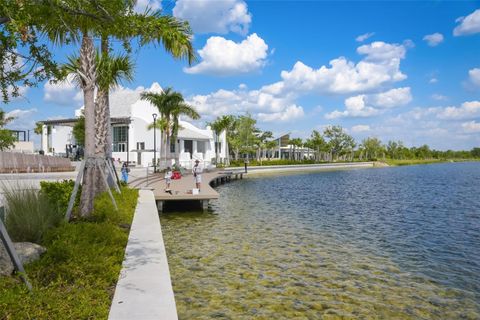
<point>72,121</point>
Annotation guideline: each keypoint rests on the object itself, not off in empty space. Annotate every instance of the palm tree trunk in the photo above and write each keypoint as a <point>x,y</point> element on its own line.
<point>88,71</point>
<point>101,130</point>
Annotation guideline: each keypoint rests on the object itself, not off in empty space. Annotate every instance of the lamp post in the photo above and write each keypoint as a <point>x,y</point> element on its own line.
<point>154,143</point>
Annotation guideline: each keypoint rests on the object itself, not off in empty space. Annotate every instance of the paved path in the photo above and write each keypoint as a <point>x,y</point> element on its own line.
<point>144,289</point>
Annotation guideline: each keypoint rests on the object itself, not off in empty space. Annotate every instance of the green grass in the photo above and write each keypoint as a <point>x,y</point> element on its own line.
<point>76,277</point>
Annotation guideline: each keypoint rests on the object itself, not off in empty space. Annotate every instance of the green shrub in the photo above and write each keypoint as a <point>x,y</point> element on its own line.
<point>76,277</point>
<point>29,214</point>
<point>59,193</point>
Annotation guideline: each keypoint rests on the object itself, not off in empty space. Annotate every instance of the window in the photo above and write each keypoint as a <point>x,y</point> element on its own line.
<point>201,146</point>
<point>120,139</point>
<point>172,146</point>
<point>140,145</point>
<point>218,147</point>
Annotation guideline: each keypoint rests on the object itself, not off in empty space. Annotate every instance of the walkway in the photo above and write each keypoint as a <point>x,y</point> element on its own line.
<point>144,289</point>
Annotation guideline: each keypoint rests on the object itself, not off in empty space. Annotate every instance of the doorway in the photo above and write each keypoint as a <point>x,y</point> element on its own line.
<point>188,147</point>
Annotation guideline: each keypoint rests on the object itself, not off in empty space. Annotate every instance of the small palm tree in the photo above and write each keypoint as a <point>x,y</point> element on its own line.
<point>171,106</point>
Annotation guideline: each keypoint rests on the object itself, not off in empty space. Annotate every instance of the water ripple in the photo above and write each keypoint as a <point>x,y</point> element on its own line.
<point>396,243</point>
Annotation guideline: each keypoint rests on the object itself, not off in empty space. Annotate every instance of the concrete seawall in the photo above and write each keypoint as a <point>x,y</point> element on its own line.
<point>305,167</point>
<point>144,289</point>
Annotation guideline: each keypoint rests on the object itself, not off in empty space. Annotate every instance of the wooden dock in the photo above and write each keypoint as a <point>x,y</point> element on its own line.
<point>181,189</point>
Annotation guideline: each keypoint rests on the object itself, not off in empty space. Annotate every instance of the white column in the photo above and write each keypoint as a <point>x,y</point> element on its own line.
<point>44,138</point>
<point>194,146</point>
<point>182,146</point>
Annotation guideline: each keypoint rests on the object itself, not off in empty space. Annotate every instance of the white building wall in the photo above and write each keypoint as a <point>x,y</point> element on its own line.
<point>61,136</point>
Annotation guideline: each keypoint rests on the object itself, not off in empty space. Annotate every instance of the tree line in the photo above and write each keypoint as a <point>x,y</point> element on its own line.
<point>246,140</point>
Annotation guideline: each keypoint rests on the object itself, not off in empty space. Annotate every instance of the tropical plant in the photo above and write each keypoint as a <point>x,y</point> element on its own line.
<point>296,143</point>
<point>7,139</point>
<point>29,214</point>
<point>78,130</point>
<point>372,148</point>
<point>85,19</point>
<point>340,143</point>
<point>217,128</point>
<point>317,143</point>
<point>227,123</point>
<point>171,106</point>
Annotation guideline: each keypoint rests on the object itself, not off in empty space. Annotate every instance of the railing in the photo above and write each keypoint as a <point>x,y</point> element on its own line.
<point>13,162</point>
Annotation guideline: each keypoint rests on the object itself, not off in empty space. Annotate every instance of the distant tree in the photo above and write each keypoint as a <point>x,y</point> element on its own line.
<point>227,123</point>
<point>262,139</point>
<point>78,131</point>
<point>339,141</point>
<point>296,143</point>
<point>317,143</point>
<point>7,139</point>
<point>475,152</point>
<point>372,148</point>
<point>171,106</point>
<point>243,138</point>
<point>38,128</point>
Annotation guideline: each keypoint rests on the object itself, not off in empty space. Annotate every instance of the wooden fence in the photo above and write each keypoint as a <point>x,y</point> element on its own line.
<point>15,162</point>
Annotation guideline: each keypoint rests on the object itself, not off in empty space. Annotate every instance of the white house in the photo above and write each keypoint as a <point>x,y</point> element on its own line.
<point>133,141</point>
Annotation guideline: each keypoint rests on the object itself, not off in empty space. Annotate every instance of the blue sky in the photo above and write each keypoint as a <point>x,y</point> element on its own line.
<point>405,70</point>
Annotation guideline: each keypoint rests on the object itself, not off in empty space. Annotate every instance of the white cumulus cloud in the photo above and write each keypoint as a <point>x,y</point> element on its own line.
<point>364,36</point>
<point>471,126</point>
<point>433,39</point>
<point>370,105</point>
<point>468,109</point>
<point>64,93</point>
<point>380,66</point>
<point>266,104</point>
<point>474,76</point>
<point>224,57</point>
<point>439,97</point>
<point>468,25</point>
<point>360,128</point>
<point>218,16</point>
<point>23,119</point>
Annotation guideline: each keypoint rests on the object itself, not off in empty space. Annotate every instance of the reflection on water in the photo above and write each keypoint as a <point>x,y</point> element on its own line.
<point>378,243</point>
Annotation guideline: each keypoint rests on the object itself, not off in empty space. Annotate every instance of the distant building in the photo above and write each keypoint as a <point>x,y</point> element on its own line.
<point>22,143</point>
<point>132,141</point>
<point>285,150</point>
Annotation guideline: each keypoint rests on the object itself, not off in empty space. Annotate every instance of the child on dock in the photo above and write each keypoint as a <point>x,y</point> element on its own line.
<point>168,179</point>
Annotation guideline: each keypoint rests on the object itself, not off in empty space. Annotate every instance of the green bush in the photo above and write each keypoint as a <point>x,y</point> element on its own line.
<point>59,193</point>
<point>29,214</point>
<point>76,277</point>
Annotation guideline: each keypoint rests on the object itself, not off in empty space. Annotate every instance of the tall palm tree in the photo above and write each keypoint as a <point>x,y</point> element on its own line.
<point>217,127</point>
<point>171,106</point>
<point>227,123</point>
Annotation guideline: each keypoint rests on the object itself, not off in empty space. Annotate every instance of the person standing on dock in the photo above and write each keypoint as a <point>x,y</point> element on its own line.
<point>168,179</point>
<point>197,174</point>
<point>125,171</point>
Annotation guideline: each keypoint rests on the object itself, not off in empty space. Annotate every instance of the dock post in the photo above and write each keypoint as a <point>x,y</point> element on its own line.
<point>160,206</point>
<point>204,205</point>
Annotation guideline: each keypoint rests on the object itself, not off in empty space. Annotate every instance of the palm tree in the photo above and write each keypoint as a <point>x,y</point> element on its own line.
<point>217,127</point>
<point>227,123</point>
<point>171,106</point>
<point>295,142</point>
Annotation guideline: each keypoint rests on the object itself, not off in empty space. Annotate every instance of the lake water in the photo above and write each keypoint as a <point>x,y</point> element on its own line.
<point>387,243</point>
